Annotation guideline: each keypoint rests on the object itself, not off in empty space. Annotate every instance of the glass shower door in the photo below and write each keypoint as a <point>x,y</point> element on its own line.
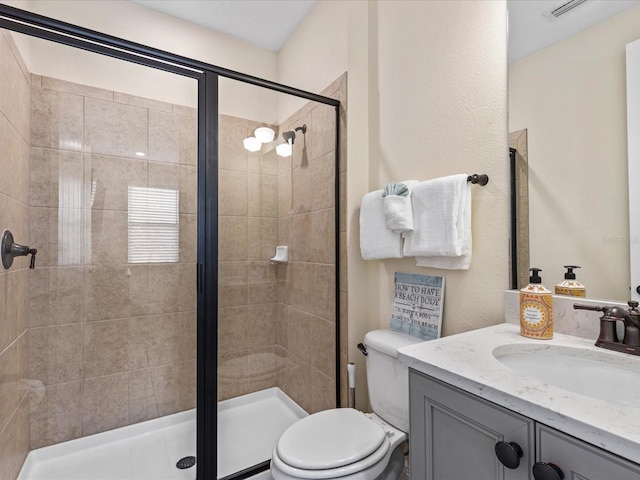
<point>277,316</point>
<point>112,209</point>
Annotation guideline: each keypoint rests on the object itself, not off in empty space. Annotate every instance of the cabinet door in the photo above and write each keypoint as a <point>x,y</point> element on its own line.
<point>453,434</point>
<point>579,460</point>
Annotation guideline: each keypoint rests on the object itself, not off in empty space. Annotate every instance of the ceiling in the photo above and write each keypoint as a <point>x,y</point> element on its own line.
<point>530,30</point>
<point>269,23</point>
<point>265,23</point>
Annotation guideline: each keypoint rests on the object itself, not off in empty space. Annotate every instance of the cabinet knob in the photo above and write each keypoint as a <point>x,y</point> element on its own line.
<point>547,471</point>
<point>509,454</point>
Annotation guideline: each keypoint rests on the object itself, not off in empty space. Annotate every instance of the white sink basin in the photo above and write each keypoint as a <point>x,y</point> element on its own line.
<point>609,376</point>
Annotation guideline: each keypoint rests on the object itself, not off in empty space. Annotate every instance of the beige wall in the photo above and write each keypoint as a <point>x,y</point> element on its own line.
<point>14,283</point>
<point>315,54</point>
<point>571,98</point>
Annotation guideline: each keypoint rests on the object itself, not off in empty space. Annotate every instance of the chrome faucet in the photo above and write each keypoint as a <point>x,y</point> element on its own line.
<point>608,337</point>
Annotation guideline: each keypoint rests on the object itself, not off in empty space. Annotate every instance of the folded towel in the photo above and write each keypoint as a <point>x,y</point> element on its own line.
<point>455,263</point>
<point>398,214</point>
<point>447,263</point>
<point>442,223</point>
<point>376,240</point>
<point>396,188</point>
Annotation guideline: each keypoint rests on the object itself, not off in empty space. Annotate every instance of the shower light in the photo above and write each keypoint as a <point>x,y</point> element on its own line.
<point>284,149</point>
<point>264,134</point>
<point>252,144</point>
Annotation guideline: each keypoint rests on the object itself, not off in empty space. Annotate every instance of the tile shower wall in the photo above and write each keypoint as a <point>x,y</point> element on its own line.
<point>277,321</point>
<point>14,283</point>
<point>306,285</point>
<point>250,358</point>
<point>113,330</point>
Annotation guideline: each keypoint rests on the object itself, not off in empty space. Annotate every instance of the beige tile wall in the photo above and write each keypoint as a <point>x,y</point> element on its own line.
<point>14,283</point>
<point>306,285</point>
<point>249,355</point>
<point>112,342</point>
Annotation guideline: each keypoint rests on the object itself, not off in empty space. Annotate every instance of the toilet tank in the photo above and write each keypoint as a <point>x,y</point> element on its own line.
<point>387,378</point>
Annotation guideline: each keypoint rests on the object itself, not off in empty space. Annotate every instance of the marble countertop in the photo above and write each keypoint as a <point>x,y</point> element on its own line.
<point>466,361</point>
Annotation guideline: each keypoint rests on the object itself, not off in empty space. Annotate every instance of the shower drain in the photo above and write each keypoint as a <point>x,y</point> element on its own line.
<point>186,462</point>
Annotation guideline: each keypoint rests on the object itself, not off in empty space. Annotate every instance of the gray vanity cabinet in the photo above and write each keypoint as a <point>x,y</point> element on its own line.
<point>453,434</point>
<point>579,460</point>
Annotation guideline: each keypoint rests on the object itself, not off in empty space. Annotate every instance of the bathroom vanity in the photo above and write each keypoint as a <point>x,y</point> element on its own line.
<point>493,404</point>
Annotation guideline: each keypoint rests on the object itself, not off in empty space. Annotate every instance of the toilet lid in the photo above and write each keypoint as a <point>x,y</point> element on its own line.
<point>329,439</point>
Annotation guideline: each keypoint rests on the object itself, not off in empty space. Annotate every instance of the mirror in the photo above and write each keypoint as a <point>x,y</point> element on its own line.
<point>570,98</point>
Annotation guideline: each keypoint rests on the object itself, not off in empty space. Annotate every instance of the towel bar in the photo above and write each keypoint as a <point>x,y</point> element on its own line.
<point>481,179</point>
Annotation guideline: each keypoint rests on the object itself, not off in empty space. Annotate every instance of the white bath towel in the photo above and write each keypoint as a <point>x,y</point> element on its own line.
<point>442,223</point>
<point>398,214</point>
<point>376,240</point>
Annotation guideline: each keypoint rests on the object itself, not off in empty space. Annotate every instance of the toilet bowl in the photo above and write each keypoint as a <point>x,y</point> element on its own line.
<point>346,444</point>
<point>340,443</point>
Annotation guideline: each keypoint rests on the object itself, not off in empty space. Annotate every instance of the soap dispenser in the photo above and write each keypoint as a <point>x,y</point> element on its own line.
<point>536,308</point>
<point>570,286</point>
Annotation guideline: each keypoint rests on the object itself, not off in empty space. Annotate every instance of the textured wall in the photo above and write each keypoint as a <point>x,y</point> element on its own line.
<point>14,283</point>
<point>441,109</point>
<point>112,340</point>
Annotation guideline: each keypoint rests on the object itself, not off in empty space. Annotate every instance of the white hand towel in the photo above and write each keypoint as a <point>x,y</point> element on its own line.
<point>398,214</point>
<point>376,240</point>
<point>442,223</point>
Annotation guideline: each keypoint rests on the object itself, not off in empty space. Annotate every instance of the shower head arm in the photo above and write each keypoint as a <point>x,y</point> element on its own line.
<point>291,134</point>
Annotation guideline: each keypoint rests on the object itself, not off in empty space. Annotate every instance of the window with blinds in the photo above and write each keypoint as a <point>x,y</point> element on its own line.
<point>154,225</point>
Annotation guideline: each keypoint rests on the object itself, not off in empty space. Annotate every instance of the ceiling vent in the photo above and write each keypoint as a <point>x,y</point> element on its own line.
<point>563,9</point>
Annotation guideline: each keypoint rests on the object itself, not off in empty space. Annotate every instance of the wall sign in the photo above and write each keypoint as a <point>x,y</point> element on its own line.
<point>417,305</point>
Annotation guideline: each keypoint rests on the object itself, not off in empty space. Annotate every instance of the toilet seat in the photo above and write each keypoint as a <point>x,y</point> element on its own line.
<point>332,444</point>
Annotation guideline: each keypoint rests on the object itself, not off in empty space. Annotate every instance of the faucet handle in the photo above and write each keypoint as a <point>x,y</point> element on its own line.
<point>9,249</point>
<point>32,263</point>
<point>633,314</point>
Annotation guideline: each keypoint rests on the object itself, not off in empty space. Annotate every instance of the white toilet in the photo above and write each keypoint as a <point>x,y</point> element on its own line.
<point>345,443</point>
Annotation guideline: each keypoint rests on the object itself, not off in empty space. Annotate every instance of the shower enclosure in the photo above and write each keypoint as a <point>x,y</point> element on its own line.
<point>154,298</point>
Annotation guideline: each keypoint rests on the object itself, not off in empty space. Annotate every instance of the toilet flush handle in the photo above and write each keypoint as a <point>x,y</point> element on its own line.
<point>363,349</point>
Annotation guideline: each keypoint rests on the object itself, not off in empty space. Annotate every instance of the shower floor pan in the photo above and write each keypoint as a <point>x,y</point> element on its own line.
<point>248,427</point>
